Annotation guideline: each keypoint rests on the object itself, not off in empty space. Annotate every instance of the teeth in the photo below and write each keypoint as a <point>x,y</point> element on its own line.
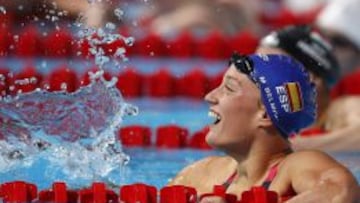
<point>214,115</point>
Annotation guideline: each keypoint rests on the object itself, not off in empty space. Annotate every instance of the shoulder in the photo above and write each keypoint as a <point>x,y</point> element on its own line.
<point>312,171</point>
<point>310,159</point>
<point>208,164</point>
<point>205,168</point>
<point>313,165</point>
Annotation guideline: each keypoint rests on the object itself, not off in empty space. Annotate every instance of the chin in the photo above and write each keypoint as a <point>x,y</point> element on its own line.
<point>211,138</point>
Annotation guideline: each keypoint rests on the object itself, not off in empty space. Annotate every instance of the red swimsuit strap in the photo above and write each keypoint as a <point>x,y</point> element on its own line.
<point>230,180</point>
<point>271,175</point>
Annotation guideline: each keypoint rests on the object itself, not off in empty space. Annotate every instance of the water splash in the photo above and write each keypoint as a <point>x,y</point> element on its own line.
<point>43,125</point>
<point>67,136</point>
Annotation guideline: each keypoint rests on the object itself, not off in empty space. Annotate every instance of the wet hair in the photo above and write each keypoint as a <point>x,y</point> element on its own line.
<point>309,48</point>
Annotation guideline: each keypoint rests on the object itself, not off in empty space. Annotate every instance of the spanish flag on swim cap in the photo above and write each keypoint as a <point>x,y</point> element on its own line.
<point>286,91</point>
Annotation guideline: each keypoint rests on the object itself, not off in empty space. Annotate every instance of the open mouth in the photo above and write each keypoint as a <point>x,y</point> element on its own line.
<point>215,116</point>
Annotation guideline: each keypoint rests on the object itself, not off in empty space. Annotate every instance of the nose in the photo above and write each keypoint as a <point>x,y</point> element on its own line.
<point>211,97</point>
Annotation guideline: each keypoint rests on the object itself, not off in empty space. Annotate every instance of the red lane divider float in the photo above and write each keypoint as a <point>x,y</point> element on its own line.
<point>27,43</point>
<point>20,192</point>
<point>194,84</point>
<point>59,194</point>
<point>178,194</point>
<point>31,42</point>
<point>6,40</point>
<point>167,136</point>
<point>183,46</point>
<point>138,193</point>
<point>63,78</point>
<point>97,194</point>
<point>213,46</point>
<point>161,84</point>
<point>198,141</point>
<point>135,136</point>
<point>130,83</point>
<point>220,191</point>
<point>58,43</point>
<point>171,136</point>
<point>151,45</point>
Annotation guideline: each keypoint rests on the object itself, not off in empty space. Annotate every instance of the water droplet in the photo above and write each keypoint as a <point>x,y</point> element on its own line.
<point>21,7</point>
<point>119,13</point>
<point>131,110</point>
<point>54,18</point>
<point>135,23</point>
<point>129,41</point>
<point>110,26</point>
<point>120,51</point>
<point>46,86</point>
<point>16,38</point>
<point>2,10</point>
<point>63,86</point>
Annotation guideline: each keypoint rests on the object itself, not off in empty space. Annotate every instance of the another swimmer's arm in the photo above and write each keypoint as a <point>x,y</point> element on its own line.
<point>345,139</point>
<point>317,178</point>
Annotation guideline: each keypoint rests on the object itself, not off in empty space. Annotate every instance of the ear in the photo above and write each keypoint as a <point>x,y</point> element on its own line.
<point>263,117</point>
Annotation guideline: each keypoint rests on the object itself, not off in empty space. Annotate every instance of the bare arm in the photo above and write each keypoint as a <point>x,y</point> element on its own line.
<point>316,177</point>
<point>345,139</point>
<point>343,126</point>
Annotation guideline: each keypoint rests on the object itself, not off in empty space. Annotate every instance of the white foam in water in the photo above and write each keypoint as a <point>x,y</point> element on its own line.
<point>71,137</point>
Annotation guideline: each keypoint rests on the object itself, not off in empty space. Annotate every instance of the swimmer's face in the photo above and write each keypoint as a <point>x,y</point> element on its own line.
<point>234,105</point>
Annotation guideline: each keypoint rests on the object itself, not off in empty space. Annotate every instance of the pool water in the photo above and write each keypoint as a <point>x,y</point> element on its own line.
<point>147,165</point>
<point>150,165</point>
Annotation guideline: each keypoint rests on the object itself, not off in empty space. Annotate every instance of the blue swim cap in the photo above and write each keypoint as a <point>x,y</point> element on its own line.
<point>286,91</point>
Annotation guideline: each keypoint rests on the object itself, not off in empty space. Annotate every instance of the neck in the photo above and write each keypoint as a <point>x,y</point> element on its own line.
<point>266,150</point>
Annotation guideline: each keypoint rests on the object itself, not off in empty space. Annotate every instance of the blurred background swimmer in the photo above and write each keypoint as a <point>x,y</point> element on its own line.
<point>338,128</point>
<point>342,117</point>
<point>259,153</point>
<point>93,13</point>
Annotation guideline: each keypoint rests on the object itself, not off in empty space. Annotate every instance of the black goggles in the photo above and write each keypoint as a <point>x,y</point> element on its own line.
<point>242,63</point>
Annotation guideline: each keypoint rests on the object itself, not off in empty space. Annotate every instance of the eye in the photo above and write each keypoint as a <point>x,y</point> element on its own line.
<point>228,88</point>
